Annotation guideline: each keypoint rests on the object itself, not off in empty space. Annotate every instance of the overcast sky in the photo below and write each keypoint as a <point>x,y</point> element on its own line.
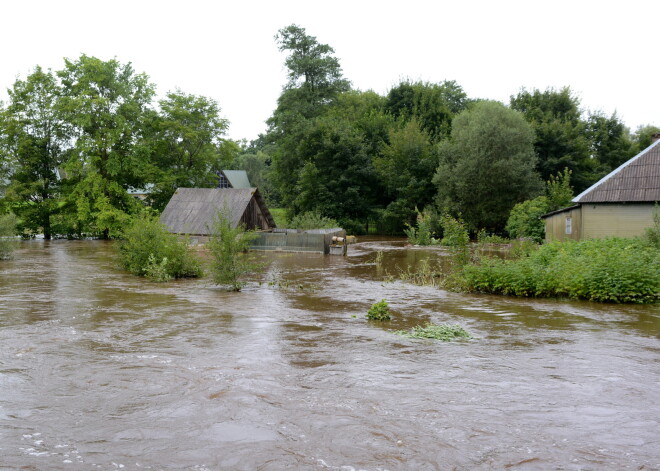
<point>606,51</point>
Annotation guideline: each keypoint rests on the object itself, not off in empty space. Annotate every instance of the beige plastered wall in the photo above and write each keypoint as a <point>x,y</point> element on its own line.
<point>620,220</point>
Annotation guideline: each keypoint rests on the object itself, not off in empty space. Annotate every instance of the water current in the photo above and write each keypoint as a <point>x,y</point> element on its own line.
<point>103,370</point>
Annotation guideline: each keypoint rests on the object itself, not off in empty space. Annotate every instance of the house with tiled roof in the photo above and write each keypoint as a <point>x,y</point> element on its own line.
<point>620,204</point>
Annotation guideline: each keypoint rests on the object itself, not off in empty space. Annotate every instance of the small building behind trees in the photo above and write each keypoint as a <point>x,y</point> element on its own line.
<point>620,204</point>
<point>193,211</point>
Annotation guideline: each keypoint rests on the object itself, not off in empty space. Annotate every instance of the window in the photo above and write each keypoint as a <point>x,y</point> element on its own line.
<point>569,225</point>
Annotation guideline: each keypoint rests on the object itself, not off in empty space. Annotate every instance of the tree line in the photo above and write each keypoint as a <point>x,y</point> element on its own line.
<point>75,142</point>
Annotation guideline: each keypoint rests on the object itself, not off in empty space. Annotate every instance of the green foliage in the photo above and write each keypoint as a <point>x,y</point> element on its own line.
<point>424,274</point>
<point>455,232</point>
<point>279,214</point>
<point>652,234</point>
<point>312,220</point>
<point>484,237</point>
<point>422,234</point>
<point>643,137</point>
<point>105,103</point>
<point>604,270</point>
<point>432,105</point>
<point>558,190</point>
<point>443,332</point>
<point>148,249</point>
<point>379,311</point>
<point>406,167</point>
<point>560,133</point>
<point>8,242</point>
<point>230,265</point>
<point>525,219</point>
<point>188,149</point>
<point>312,66</point>
<point>34,137</point>
<point>157,271</point>
<point>590,147</point>
<point>488,165</point>
<point>455,236</point>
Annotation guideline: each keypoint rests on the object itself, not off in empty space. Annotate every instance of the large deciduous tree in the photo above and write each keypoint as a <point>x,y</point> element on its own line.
<point>560,140</point>
<point>107,103</point>
<point>406,166</point>
<point>34,141</point>
<point>432,105</point>
<point>187,145</point>
<point>314,82</point>
<point>487,166</point>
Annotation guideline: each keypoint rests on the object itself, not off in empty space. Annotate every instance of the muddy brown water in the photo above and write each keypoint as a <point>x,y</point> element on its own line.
<point>103,370</point>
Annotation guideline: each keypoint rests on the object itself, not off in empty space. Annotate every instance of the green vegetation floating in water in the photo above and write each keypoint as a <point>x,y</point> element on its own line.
<point>379,311</point>
<point>444,332</point>
<point>604,270</point>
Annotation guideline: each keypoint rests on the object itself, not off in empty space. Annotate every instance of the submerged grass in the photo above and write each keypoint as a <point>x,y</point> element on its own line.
<point>444,332</point>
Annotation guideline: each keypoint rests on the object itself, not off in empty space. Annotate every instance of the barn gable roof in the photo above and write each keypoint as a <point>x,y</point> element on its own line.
<point>637,180</point>
<point>193,210</point>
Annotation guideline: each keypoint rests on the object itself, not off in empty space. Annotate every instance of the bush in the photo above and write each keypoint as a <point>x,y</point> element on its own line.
<point>604,270</point>
<point>652,234</point>
<point>230,265</point>
<point>312,220</point>
<point>148,249</point>
<point>484,237</point>
<point>379,311</point>
<point>525,219</point>
<point>8,242</point>
<point>457,238</point>
<point>352,226</point>
<point>423,233</point>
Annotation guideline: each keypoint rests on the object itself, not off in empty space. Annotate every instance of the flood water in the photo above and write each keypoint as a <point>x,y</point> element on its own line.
<point>103,370</point>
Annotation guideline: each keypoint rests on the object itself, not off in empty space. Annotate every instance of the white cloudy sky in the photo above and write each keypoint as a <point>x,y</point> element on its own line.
<point>606,51</point>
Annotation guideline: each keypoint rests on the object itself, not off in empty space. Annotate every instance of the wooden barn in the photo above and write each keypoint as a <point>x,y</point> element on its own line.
<point>193,210</point>
<point>620,204</point>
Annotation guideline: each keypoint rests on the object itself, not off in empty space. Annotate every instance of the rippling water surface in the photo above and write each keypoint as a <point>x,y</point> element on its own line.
<point>103,370</point>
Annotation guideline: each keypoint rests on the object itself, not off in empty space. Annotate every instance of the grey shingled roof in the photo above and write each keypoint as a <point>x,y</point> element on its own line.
<point>637,180</point>
<point>193,210</point>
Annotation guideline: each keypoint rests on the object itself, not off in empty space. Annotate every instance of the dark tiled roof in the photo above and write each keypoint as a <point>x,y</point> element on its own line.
<point>637,180</point>
<point>193,210</point>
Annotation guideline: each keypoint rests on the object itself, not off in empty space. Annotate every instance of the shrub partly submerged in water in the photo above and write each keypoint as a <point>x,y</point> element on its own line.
<point>148,249</point>
<point>604,270</point>
<point>379,311</point>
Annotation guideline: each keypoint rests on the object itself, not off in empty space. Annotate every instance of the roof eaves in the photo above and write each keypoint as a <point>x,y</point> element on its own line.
<point>558,211</point>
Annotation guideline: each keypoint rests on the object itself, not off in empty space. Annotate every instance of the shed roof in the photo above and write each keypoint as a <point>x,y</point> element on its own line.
<point>637,180</point>
<point>237,178</point>
<point>193,210</point>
